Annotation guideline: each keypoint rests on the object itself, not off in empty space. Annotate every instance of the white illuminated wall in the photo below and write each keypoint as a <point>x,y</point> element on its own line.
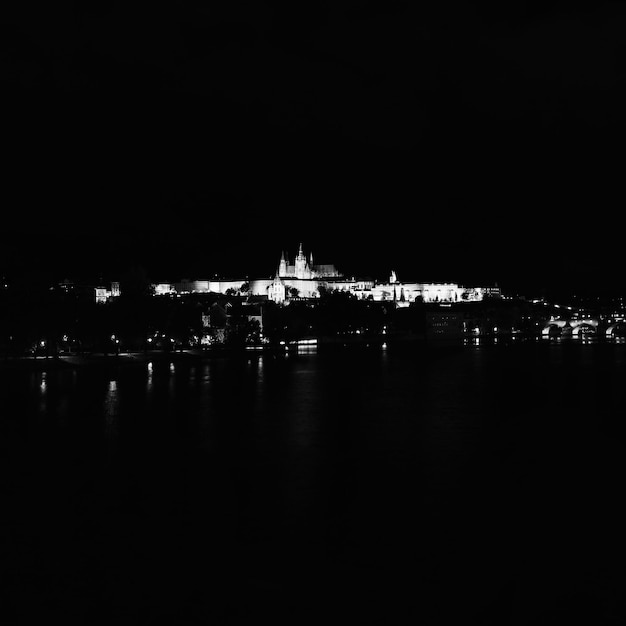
<point>161,289</point>
<point>103,295</point>
<point>309,288</point>
<point>308,278</point>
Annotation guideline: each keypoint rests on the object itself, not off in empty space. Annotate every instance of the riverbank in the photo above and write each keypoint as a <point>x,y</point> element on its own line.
<point>401,345</point>
<point>124,358</point>
<point>69,361</point>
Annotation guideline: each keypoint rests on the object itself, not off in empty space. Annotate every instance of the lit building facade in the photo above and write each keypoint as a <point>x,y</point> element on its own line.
<point>103,295</point>
<point>304,279</point>
<point>304,269</point>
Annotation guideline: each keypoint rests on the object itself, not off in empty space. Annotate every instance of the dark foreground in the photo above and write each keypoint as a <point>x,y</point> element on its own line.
<point>469,486</point>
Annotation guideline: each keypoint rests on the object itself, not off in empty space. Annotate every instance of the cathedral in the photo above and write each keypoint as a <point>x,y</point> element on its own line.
<point>304,269</point>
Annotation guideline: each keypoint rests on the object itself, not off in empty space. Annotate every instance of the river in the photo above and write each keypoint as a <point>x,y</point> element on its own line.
<point>471,485</point>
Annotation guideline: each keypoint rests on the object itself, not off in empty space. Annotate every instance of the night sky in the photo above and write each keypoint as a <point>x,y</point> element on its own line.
<point>471,142</point>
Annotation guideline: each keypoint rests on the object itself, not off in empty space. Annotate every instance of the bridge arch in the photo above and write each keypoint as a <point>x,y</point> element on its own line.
<point>584,329</point>
<point>616,330</point>
<point>552,330</point>
<point>584,322</point>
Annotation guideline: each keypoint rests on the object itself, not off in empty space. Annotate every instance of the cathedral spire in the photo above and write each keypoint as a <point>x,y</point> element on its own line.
<point>282,266</point>
<point>300,267</point>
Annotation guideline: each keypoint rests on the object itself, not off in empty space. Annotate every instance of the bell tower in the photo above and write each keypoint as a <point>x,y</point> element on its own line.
<point>282,266</point>
<point>300,264</point>
<point>277,290</point>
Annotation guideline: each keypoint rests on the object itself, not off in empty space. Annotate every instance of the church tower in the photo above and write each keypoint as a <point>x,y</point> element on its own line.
<point>282,267</point>
<point>301,265</point>
<point>277,290</point>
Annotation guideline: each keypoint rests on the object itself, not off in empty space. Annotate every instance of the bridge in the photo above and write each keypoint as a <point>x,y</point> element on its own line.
<point>580,327</point>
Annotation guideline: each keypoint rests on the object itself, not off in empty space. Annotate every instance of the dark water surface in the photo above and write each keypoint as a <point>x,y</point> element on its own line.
<point>482,485</point>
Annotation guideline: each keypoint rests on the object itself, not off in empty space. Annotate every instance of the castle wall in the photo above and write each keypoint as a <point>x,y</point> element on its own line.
<point>260,287</point>
<point>441,292</point>
<point>221,286</point>
<point>191,286</point>
<point>307,280</point>
<point>307,288</point>
<point>163,288</point>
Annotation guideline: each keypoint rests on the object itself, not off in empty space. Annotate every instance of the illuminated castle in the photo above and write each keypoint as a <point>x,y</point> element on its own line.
<point>304,269</point>
<point>303,279</point>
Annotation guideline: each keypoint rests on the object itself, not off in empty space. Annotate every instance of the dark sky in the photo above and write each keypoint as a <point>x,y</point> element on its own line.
<point>468,142</point>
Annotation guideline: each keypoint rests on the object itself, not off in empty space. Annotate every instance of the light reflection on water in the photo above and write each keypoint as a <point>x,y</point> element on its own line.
<point>111,411</point>
<point>307,349</point>
<point>289,390</point>
<point>473,341</point>
<point>579,339</point>
<point>304,405</point>
<point>255,365</point>
<point>172,381</point>
<point>363,451</point>
<point>41,382</point>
